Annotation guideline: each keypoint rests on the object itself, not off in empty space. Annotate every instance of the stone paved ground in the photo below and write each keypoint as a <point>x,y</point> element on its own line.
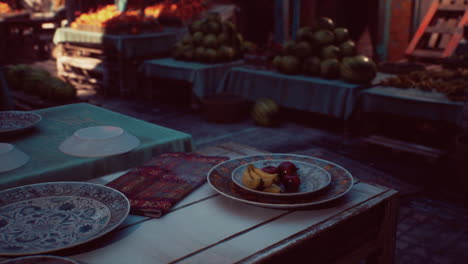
<point>432,223</point>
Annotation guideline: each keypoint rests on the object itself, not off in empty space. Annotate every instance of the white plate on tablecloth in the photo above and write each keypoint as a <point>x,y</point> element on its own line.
<point>11,157</point>
<point>45,217</point>
<point>99,141</point>
<point>219,177</point>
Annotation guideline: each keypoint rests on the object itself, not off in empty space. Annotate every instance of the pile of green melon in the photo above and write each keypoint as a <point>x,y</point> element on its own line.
<point>325,51</point>
<point>211,40</point>
<point>39,82</point>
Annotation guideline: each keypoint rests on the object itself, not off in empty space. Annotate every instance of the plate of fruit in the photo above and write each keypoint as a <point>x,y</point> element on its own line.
<point>281,178</point>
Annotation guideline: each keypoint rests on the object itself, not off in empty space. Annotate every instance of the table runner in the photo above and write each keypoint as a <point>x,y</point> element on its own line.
<point>204,77</point>
<point>129,45</point>
<point>48,163</point>
<point>412,103</point>
<point>154,187</point>
<point>332,97</point>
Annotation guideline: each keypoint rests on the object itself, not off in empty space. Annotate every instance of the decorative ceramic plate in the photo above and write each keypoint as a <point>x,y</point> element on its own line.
<point>313,178</point>
<point>44,259</point>
<point>99,141</point>
<point>44,217</point>
<point>13,122</point>
<point>219,177</point>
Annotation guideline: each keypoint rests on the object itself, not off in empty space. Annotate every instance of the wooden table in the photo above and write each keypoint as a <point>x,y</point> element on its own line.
<point>206,227</point>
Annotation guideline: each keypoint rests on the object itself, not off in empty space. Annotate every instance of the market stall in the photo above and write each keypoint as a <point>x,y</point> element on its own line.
<point>102,48</point>
<point>204,78</point>
<point>331,97</point>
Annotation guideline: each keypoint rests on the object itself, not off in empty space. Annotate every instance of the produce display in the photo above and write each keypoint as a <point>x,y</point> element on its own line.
<point>283,178</point>
<point>325,51</point>
<point>265,112</point>
<point>211,40</point>
<point>453,83</point>
<point>4,8</point>
<point>109,19</point>
<point>39,82</point>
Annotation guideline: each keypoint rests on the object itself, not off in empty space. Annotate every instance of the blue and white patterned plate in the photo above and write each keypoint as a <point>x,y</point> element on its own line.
<point>45,217</point>
<point>14,122</point>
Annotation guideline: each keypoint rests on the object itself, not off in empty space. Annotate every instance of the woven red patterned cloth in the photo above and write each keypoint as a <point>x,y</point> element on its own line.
<point>156,186</point>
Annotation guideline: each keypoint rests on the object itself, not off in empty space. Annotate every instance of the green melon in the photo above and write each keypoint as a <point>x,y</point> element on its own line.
<point>341,34</point>
<point>348,48</point>
<point>265,112</point>
<point>358,69</point>
<point>330,68</point>
<point>324,37</point>
<point>330,52</point>
<point>311,65</point>
<point>325,23</point>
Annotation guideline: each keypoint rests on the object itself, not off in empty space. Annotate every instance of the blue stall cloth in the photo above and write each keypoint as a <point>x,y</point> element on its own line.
<point>330,97</point>
<point>411,102</point>
<point>5,95</point>
<point>204,77</point>
<point>130,46</point>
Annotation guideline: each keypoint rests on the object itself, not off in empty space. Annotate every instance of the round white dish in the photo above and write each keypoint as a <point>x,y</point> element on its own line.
<point>45,217</point>
<point>11,157</point>
<point>99,141</point>
<point>313,178</point>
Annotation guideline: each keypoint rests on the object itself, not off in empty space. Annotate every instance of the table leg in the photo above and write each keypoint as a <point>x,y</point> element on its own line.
<point>385,253</point>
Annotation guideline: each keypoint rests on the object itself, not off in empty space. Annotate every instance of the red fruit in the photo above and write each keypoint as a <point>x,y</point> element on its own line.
<point>270,169</point>
<point>287,168</point>
<point>291,182</point>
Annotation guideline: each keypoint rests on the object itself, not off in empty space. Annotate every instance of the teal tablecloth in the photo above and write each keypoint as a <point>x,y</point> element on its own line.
<point>48,163</point>
<point>330,97</point>
<point>411,103</point>
<point>129,45</point>
<point>204,77</point>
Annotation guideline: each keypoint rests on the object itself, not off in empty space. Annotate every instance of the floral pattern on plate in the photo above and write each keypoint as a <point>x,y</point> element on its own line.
<point>220,179</point>
<point>45,217</point>
<point>17,121</point>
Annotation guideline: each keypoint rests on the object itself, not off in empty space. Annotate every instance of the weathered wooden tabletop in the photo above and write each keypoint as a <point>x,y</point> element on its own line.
<point>206,227</point>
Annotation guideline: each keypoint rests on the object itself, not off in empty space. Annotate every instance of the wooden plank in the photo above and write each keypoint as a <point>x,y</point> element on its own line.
<point>285,231</point>
<point>450,25</point>
<point>424,24</point>
<point>440,25</point>
<point>180,233</point>
<point>427,53</point>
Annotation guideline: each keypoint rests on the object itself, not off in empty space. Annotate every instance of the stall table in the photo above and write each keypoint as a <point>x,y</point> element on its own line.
<point>48,163</point>
<point>411,102</point>
<point>204,78</point>
<point>423,108</point>
<point>206,227</point>
<point>120,55</point>
<point>331,97</point>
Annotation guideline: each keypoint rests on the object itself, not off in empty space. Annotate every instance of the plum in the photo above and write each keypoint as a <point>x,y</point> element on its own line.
<point>287,168</point>
<point>291,182</point>
<point>270,169</point>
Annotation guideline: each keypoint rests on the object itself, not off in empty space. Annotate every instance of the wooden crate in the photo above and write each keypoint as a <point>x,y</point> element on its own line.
<point>88,73</point>
<point>440,31</point>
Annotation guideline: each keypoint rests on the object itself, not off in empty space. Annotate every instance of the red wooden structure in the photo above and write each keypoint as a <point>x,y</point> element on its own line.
<point>440,31</point>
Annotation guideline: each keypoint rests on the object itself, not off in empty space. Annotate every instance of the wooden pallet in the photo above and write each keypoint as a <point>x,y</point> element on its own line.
<point>440,31</point>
